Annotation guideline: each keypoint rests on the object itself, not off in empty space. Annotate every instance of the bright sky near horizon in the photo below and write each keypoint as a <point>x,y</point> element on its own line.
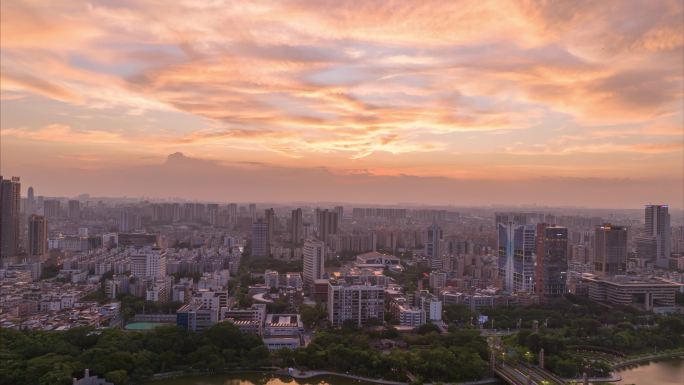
<point>576,93</point>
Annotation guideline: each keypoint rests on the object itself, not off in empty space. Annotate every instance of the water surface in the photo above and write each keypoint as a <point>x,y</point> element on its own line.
<point>668,372</point>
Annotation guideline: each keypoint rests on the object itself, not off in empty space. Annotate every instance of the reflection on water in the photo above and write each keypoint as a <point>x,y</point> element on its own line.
<point>670,372</point>
<point>255,379</point>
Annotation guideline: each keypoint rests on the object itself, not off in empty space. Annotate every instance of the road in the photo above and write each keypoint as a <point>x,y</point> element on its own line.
<point>523,375</point>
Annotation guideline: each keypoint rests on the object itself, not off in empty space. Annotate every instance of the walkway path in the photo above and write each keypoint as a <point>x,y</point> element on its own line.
<point>295,373</point>
<point>651,357</point>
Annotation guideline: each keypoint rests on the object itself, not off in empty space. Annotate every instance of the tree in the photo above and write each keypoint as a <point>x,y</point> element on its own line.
<point>522,337</point>
<point>281,305</point>
<point>390,332</point>
<point>283,357</point>
<point>257,355</point>
<point>672,324</point>
<point>38,357</point>
<point>81,337</point>
<point>349,325</point>
<point>427,328</point>
<point>312,316</point>
<point>458,313</point>
<point>117,377</point>
<point>566,368</point>
<point>206,357</point>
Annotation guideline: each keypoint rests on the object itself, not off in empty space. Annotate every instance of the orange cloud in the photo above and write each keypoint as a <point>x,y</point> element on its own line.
<point>352,82</point>
<point>40,86</point>
<point>602,148</point>
<point>65,134</point>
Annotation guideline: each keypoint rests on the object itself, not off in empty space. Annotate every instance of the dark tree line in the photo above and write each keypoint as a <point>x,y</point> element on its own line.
<point>430,356</point>
<point>578,322</point>
<point>53,358</point>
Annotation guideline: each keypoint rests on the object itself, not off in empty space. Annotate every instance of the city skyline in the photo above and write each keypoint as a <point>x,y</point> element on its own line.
<point>559,104</point>
<point>182,178</point>
<point>282,192</point>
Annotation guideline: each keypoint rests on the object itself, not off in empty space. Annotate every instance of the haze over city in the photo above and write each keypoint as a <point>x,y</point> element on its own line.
<point>297,192</point>
<point>505,102</point>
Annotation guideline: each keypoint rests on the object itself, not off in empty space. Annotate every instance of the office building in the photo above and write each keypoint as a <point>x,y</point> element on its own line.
<point>212,213</point>
<point>410,316</point>
<point>516,246</point>
<point>678,239</point>
<point>437,280</point>
<point>610,250</point>
<point>354,302</point>
<point>517,218</point>
<point>249,320</point>
<point>232,212</point>
<point>647,248</point>
<point>339,210</point>
<point>195,317</point>
<point>407,315</point>
<point>552,261</point>
<point>326,222</point>
<point>270,217</point>
<point>293,280</point>
<point>211,299</point>
<point>10,200</point>
<point>188,212</point>
<point>272,279</point>
<point>283,331</point>
<point>657,220</point>
<point>37,237</point>
<point>52,208</point>
<point>314,261</point>
<point>296,227</point>
<point>137,240</point>
<point>159,289</point>
<point>283,325</point>
<point>252,211</point>
<point>376,213</point>
<point>433,242</point>
<point>74,209</point>
<point>129,220</point>
<point>149,263</point>
<point>643,293</point>
<point>476,302</point>
<point>30,201</point>
<point>432,307</point>
<point>261,244</point>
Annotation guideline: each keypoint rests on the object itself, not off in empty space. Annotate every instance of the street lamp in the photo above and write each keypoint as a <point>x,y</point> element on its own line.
<point>528,357</point>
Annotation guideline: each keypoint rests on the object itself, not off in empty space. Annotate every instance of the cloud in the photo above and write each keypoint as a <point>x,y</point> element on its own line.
<point>358,84</point>
<point>64,133</point>
<point>602,148</point>
<point>27,82</point>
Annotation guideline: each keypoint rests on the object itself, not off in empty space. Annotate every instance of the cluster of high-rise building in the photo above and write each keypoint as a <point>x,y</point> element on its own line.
<point>537,257</point>
<point>188,252</point>
<point>10,198</point>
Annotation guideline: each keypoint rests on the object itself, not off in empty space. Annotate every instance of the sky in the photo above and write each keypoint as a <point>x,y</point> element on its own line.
<point>438,102</point>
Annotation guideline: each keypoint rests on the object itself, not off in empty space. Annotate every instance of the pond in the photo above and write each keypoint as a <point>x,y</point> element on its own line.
<point>667,372</point>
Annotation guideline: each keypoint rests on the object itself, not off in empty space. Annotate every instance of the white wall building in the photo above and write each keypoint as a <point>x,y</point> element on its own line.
<point>353,301</point>
<point>150,263</point>
<point>314,261</point>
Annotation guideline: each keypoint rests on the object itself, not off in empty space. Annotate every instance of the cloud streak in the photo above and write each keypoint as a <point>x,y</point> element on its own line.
<point>353,84</point>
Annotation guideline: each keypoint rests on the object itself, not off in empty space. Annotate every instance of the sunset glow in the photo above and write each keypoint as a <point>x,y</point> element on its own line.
<point>475,91</point>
